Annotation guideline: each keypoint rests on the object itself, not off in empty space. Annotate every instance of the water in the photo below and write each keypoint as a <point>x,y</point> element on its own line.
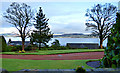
<point>63,41</point>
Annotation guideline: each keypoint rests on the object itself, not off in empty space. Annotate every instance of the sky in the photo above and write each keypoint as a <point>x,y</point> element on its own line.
<point>64,17</point>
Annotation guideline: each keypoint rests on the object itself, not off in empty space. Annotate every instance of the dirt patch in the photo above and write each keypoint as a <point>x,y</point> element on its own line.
<point>71,56</point>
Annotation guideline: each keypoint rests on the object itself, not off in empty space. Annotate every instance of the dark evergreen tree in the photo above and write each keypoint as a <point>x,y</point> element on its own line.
<point>112,52</point>
<point>42,34</point>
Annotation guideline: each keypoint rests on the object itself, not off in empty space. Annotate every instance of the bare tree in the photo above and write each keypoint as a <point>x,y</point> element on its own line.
<point>20,16</point>
<point>101,19</point>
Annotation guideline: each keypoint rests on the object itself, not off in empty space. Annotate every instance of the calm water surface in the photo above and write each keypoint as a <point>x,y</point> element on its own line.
<point>63,41</point>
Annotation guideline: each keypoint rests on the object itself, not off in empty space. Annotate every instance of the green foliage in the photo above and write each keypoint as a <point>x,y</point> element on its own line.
<point>2,43</point>
<point>12,48</point>
<point>31,47</point>
<point>80,70</point>
<point>112,52</point>
<point>43,34</point>
<point>85,47</point>
<point>55,44</point>
<point>8,49</point>
<point>28,48</point>
<point>18,47</point>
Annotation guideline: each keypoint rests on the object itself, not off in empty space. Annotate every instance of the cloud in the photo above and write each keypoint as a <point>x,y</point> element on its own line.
<point>66,19</point>
<point>8,30</point>
<point>68,23</point>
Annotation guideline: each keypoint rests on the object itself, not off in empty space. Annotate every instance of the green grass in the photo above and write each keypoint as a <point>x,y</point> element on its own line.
<point>48,52</point>
<point>18,64</point>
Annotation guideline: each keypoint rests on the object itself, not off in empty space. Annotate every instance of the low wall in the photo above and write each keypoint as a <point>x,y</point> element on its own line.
<point>83,45</point>
<point>99,70</point>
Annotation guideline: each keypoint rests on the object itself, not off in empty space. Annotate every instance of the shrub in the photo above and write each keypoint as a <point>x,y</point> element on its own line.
<point>28,48</point>
<point>44,48</point>
<point>85,48</point>
<point>63,48</point>
<point>3,44</point>
<point>55,44</point>
<point>80,70</point>
<point>111,58</point>
<point>50,48</point>
<point>17,47</point>
<point>8,49</point>
<point>31,47</point>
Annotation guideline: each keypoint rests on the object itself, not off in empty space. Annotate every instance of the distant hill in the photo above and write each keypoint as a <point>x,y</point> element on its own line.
<point>75,35</point>
<point>70,35</point>
<point>9,34</point>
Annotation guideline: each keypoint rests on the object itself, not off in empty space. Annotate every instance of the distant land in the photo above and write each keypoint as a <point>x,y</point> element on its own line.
<point>10,35</point>
<point>70,35</point>
<point>76,35</point>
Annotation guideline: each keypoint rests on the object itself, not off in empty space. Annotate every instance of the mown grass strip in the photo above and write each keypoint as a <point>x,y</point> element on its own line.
<point>49,52</point>
<point>18,64</point>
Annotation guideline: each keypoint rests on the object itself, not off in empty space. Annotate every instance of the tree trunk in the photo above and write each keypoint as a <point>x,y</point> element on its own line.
<point>23,46</point>
<point>101,42</point>
<point>39,46</point>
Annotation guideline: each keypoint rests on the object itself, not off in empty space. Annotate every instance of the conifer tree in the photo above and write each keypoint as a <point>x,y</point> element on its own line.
<point>42,34</point>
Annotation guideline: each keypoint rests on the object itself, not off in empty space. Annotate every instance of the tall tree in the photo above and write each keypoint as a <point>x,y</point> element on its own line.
<point>42,34</point>
<point>20,16</point>
<point>101,19</point>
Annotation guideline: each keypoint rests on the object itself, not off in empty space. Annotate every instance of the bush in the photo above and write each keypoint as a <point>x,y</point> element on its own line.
<point>28,48</point>
<point>85,48</point>
<point>111,58</point>
<point>17,48</point>
<point>44,48</point>
<point>63,48</point>
<point>31,47</point>
<point>58,48</point>
<point>10,49</point>
<point>80,70</point>
<point>55,44</point>
<point>3,44</point>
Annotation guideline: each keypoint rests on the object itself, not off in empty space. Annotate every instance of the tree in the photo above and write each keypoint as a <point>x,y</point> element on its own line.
<point>42,34</point>
<point>101,20</point>
<point>20,16</point>
<point>9,41</point>
<point>55,44</point>
<point>112,52</point>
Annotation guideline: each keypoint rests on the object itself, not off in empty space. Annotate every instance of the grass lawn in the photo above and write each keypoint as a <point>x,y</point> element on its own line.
<point>18,64</point>
<point>48,52</point>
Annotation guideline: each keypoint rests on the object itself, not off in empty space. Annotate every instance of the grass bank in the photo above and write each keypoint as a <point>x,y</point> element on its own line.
<point>18,64</point>
<point>49,52</point>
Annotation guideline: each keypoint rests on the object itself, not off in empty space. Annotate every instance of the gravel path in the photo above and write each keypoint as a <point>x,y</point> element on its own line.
<point>71,56</point>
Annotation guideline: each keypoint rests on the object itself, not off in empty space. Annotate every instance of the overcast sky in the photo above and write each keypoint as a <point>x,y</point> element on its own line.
<point>64,17</point>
